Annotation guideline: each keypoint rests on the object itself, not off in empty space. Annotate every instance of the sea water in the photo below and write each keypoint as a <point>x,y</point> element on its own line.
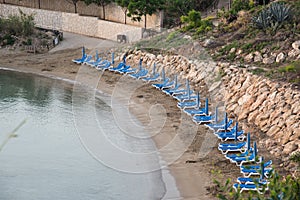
<point>49,160</point>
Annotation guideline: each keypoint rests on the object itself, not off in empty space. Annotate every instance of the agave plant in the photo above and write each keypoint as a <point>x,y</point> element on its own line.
<point>280,12</point>
<point>263,19</point>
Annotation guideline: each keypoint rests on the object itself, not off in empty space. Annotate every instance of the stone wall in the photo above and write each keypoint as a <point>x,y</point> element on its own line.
<point>71,22</point>
<point>112,11</point>
<point>273,107</point>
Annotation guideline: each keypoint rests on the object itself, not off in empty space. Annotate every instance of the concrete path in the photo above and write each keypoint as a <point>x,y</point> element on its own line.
<point>72,41</point>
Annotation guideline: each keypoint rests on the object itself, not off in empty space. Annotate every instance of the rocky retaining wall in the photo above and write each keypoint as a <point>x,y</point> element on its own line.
<point>70,22</point>
<point>271,106</point>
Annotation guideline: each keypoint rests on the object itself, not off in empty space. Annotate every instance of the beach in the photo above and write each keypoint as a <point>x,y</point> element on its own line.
<point>193,175</point>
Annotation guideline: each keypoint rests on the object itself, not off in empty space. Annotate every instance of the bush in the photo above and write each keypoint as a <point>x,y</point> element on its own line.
<point>193,20</point>
<point>18,25</point>
<point>238,5</point>
<point>281,188</point>
<point>8,40</point>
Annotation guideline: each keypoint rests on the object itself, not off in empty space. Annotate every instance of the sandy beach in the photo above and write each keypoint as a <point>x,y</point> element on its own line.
<point>192,174</point>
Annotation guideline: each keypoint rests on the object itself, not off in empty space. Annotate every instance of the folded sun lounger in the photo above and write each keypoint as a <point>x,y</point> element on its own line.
<point>154,75</point>
<point>239,160</point>
<point>82,59</point>
<point>241,147</point>
<point>198,111</point>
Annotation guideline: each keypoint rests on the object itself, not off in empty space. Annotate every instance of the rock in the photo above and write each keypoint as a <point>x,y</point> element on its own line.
<point>243,114</point>
<point>249,58</point>
<point>296,107</point>
<point>289,147</point>
<point>293,53</point>
<point>286,137</point>
<point>273,131</point>
<point>280,57</point>
<point>210,43</point>
<point>187,37</point>
<point>257,56</point>
<point>269,60</point>
<point>296,45</point>
<point>214,86</point>
<point>252,116</point>
<point>232,50</point>
<point>239,52</point>
<point>244,99</point>
<point>260,99</point>
<point>270,143</point>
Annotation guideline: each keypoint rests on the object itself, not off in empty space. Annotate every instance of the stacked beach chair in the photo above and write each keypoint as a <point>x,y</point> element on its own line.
<point>234,144</point>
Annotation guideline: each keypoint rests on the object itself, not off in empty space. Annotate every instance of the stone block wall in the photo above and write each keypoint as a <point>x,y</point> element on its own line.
<point>71,22</point>
<point>112,11</point>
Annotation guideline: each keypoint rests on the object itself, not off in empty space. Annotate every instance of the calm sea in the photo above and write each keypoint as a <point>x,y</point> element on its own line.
<point>48,159</point>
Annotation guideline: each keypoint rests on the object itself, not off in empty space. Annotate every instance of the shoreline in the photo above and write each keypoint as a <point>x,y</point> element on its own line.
<point>191,178</point>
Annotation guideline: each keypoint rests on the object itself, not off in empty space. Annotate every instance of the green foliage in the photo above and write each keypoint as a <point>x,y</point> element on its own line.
<point>139,8</point>
<point>17,25</point>
<point>171,36</point>
<point>228,47</point>
<point>238,5</point>
<point>279,188</point>
<point>124,4</point>
<point>273,16</point>
<point>246,46</point>
<point>295,157</point>
<point>100,3</point>
<point>258,71</point>
<point>193,20</point>
<point>280,12</point>
<point>9,39</point>
<point>263,19</point>
<point>292,67</point>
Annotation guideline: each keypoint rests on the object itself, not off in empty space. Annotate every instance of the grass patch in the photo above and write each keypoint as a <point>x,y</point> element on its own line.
<point>292,67</point>
<point>258,71</point>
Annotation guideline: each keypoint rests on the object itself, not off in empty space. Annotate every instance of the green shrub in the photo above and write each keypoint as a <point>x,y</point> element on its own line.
<point>18,24</point>
<point>238,5</point>
<point>171,36</point>
<point>193,20</point>
<point>9,40</point>
<point>280,188</point>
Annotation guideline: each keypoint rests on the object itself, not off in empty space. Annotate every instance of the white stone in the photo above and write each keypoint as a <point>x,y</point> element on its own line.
<point>239,52</point>
<point>293,53</point>
<point>269,60</point>
<point>296,45</point>
<point>280,57</point>
<point>232,50</point>
<point>249,57</point>
<point>258,57</point>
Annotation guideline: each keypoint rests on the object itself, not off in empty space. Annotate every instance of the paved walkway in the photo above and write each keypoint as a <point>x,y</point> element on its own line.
<point>72,40</point>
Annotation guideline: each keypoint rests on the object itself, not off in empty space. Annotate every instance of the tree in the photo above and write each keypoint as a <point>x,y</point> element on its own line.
<point>100,3</point>
<point>124,4</point>
<point>174,9</point>
<point>139,8</point>
<point>74,2</point>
